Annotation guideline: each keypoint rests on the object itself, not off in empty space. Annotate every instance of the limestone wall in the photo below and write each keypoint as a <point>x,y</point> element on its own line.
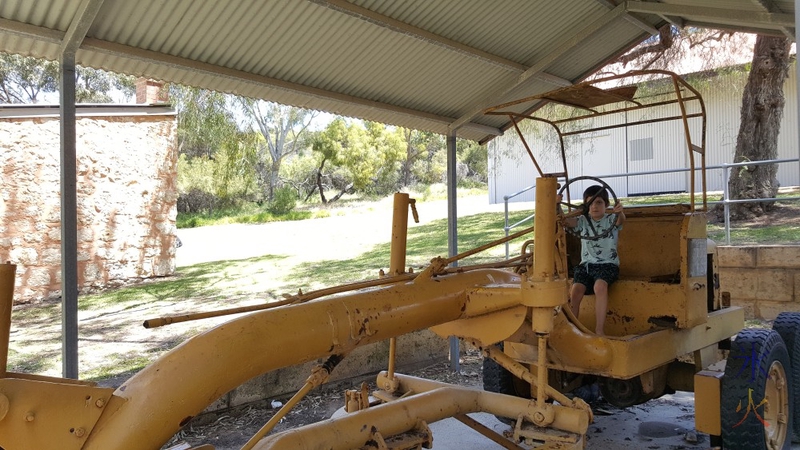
<point>126,196</point>
<point>764,280</point>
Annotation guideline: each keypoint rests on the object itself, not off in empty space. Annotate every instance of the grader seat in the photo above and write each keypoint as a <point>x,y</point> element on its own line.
<point>656,246</point>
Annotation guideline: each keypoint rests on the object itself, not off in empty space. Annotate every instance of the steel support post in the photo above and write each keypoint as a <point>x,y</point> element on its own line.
<point>452,228</point>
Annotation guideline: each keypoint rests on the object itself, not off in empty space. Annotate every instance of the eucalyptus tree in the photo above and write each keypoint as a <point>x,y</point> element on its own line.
<point>362,157</point>
<point>283,130</point>
<point>26,80</point>
<point>762,98</point>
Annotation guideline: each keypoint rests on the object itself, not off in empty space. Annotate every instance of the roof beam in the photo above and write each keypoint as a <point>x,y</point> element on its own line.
<point>565,46</point>
<point>31,31</point>
<point>752,19</point>
<point>161,59</point>
<point>79,26</point>
<point>633,20</point>
<point>397,26</point>
<point>769,6</point>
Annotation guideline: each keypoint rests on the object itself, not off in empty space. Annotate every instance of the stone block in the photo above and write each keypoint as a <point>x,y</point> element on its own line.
<point>748,305</point>
<point>741,283</point>
<point>796,276</point>
<point>737,256</point>
<point>414,350</point>
<point>775,285</point>
<point>769,310</point>
<point>783,256</point>
<point>38,276</point>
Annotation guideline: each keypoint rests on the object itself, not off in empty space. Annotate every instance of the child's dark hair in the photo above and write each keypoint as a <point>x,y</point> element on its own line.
<point>592,190</point>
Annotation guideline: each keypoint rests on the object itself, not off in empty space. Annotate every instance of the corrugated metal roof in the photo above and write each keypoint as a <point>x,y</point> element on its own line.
<point>425,64</point>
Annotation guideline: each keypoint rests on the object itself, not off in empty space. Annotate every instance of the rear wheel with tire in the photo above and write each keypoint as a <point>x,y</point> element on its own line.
<point>757,397</point>
<point>497,379</point>
<point>787,324</point>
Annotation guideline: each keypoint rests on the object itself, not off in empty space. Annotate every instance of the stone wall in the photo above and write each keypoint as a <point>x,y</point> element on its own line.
<point>764,280</point>
<point>126,197</point>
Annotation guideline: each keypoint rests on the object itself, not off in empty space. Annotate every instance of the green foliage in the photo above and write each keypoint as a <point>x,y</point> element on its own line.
<point>216,158</point>
<point>300,172</point>
<point>246,213</point>
<point>205,121</point>
<point>367,154</point>
<point>24,79</point>
<point>476,158</point>
<point>95,86</point>
<point>282,131</point>
<point>284,200</point>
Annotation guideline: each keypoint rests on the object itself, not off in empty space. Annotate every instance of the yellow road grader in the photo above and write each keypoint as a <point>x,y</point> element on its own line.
<point>669,327</point>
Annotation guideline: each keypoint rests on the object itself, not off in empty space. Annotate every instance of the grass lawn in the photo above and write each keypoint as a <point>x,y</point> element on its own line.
<point>113,342</point>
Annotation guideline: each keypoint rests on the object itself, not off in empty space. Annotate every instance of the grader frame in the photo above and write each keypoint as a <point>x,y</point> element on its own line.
<point>652,324</point>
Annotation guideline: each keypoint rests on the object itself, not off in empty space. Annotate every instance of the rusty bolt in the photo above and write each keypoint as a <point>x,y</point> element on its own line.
<point>79,432</point>
<point>100,403</point>
<point>29,417</point>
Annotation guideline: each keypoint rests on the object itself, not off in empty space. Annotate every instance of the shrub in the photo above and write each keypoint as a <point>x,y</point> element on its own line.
<point>284,200</point>
<point>195,201</point>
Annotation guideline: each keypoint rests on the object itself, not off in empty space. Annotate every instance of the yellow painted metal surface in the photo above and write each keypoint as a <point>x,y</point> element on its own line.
<point>629,356</point>
<point>47,415</point>
<point>7,274</point>
<point>165,395</point>
<point>428,401</point>
<point>649,244</point>
<point>707,406</point>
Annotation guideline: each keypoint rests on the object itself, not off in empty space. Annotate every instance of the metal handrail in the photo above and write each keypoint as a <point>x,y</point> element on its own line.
<point>726,201</point>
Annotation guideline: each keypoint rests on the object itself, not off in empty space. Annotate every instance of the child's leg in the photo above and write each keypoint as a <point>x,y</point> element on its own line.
<point>600,305</point>
<point>575,297</point>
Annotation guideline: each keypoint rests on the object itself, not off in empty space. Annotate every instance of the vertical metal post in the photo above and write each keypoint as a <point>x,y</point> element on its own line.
<point>84,16</point>
<point>725,204</point>
<point>452,228</point>
<point>397,255</point>
<point>505,228</point>
<point>69,221</point>
<point>797,77</point>
<point>7,275</point>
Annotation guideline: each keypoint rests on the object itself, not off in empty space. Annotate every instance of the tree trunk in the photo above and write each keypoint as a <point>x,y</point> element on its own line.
<point>274,171</point>
<point>762,109</point>
<point>320,187</point>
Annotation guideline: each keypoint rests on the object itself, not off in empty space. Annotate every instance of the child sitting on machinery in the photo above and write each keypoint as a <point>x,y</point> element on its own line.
<point>599,266</point>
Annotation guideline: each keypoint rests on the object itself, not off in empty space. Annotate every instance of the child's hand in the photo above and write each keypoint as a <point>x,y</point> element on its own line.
<point>618,208</point>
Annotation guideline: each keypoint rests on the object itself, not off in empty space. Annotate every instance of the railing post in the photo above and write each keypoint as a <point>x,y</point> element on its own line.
<point>505,227</point>
<point>725,204</point>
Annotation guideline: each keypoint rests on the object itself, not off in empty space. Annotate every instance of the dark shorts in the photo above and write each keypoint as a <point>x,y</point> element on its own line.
<point>587,274</point>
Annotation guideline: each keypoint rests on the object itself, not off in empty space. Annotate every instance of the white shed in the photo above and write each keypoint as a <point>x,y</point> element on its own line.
<point>651,147</point>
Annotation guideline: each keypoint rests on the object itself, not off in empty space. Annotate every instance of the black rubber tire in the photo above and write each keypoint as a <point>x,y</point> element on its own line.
<point>754,354</point>
<point>499,380</point>
<point>622,393</point>
<point>787,324</point>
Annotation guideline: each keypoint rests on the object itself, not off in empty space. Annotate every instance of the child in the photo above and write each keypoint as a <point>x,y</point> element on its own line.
<point>599,265</point>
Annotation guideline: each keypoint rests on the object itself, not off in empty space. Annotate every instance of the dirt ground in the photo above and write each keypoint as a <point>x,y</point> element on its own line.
<point>345,233</point>
<point>666,423</point>
<point>231,429</point>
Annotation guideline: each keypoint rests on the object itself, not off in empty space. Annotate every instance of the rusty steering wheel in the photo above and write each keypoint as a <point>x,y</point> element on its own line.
<point>574,210</point>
